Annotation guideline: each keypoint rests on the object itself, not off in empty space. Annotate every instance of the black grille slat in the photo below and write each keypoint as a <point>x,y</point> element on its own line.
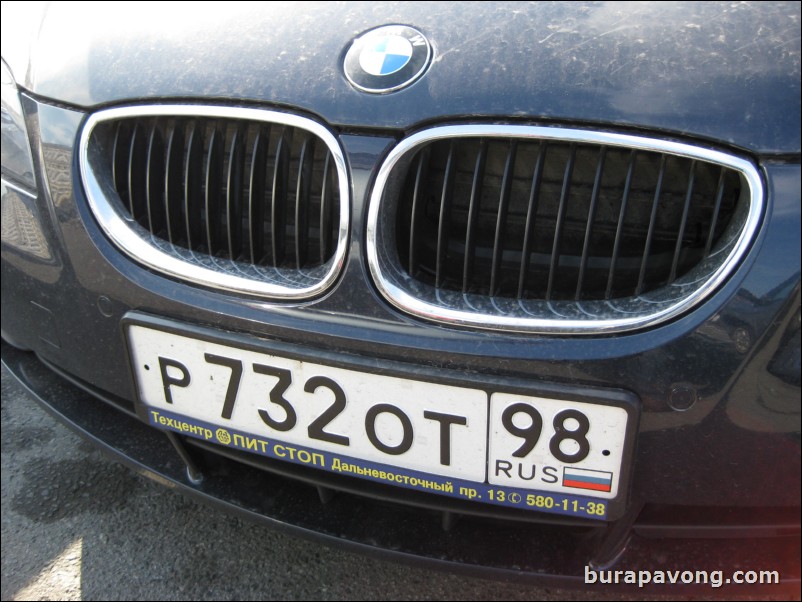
<point>594,199</point>
<point>647,247</point>
<point>547,219</point>
<point>280,197</point>
<point>155,182</point>
<point>418,206</point>
<point>212,189</point>
<point>633,157</point>
<point>558,229</point>
<point>303,190</point>
<point>501,216</point>
<point>325,209</point>
<point>173,180</point>
<point>714,220</point>
<point>531,216</point>
<point>474,206</point>
<point>137,164</point>
<point>683,223</point>
<point>444,217</point>
<point>256,193</point>
<point>119,161</point>
<point>236,165</point>
<point>193,187</point>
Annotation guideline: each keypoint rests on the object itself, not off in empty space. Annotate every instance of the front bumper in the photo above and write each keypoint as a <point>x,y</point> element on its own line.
<point>343,514</point>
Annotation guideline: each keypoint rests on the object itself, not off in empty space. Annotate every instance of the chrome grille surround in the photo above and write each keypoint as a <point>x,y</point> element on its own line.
<point>588,317</point>
<point>279,283</point>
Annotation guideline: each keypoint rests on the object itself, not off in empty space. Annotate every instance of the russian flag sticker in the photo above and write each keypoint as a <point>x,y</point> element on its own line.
<point>582,478</point>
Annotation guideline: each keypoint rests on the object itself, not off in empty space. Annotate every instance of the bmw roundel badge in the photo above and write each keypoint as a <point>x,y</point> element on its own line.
<point>387,58</point>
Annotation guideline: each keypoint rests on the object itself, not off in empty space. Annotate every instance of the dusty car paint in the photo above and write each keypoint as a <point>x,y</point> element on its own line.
<point>703,442</point>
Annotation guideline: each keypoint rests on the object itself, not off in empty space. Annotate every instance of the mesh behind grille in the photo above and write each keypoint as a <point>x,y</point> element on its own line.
<point>556,230</point>
<point>229,192</point>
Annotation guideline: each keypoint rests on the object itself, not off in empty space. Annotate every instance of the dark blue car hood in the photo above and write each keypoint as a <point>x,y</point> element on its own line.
<point>724,72</point>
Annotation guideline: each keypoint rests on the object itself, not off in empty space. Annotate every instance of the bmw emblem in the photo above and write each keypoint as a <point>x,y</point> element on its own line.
<point>387,58</point>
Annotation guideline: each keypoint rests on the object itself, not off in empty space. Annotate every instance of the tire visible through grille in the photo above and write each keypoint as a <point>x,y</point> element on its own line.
<point>556,230</point>
<point>249,200</point>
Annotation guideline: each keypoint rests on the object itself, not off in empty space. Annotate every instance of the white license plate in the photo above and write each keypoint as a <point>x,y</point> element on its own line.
<point>470,442</point>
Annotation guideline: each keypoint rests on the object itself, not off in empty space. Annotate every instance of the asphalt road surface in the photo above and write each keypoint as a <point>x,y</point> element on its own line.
<point>77,526</point>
